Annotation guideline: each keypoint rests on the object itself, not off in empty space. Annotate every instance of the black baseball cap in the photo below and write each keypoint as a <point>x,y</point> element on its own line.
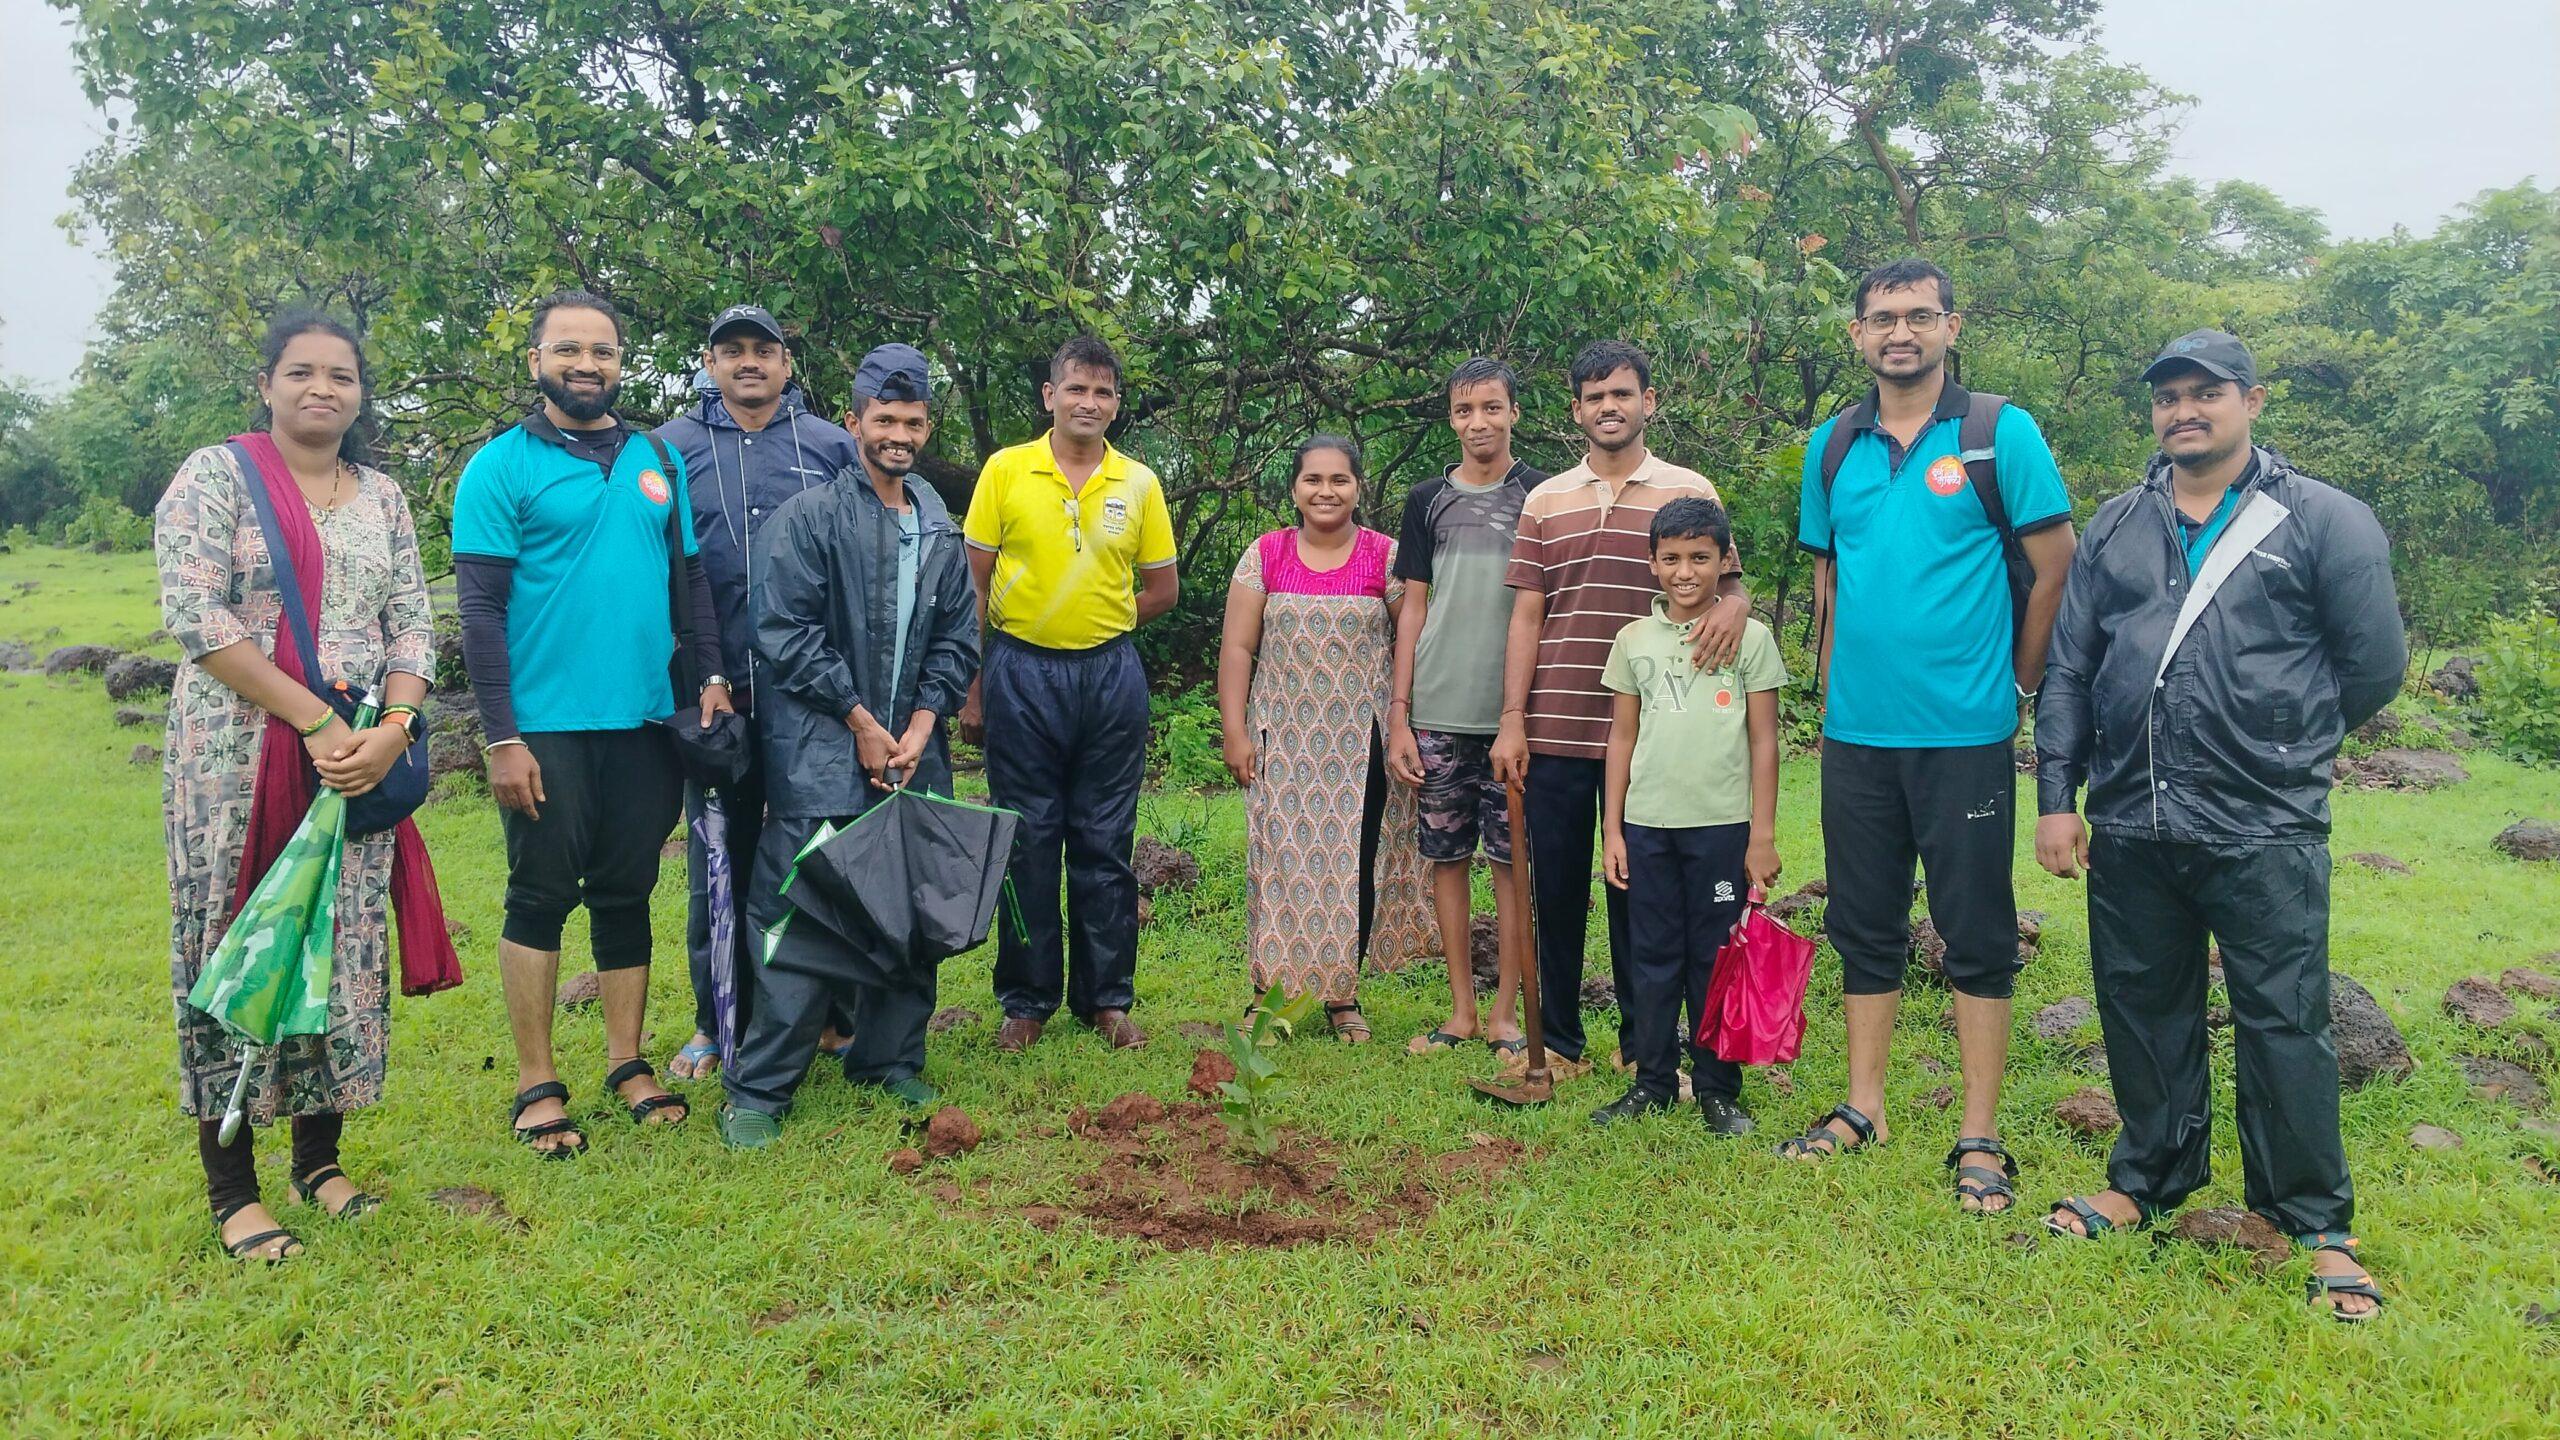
<point>2217,353</point>
<point>754,317</point>
<point>894,372</point>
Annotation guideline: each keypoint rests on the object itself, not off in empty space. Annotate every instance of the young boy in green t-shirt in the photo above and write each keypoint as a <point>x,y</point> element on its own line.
<point>1689,812</point>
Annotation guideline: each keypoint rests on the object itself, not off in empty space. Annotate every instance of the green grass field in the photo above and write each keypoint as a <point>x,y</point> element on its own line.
<point>1648,1281</point>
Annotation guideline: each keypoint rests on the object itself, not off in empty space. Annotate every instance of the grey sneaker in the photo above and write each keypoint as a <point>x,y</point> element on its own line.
<point>747,1129</point>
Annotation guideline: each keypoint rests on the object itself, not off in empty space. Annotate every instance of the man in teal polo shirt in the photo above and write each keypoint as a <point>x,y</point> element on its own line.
<point>564,532</point>
<point>1929,654</point>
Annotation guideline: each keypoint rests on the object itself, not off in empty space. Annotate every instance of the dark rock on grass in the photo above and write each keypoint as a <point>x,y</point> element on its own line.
<point>2458,678</point>
<point>16,657</point>
<point>1160,866</point>
<point>75,659</point>
<point>2475,1001</point>
<point>2369,1045</point>
<point>1209,1070</point>
<point>1930,1065</point>
<point>1940,1098</point>
<point>1146,910</point>
<point>2060,1018</point>
<point>1599,992</point>
<point>2217,1017</point>
<point>950,1018</point>
<point>951,1132</point>
<point>131,675</point>
<point>581,990</point>
<point>2030,931</point>
<point>2089,1111</point>
<point>2380,863</point>
<point>2380,728</point>
<point>2434,1137</point>
<point>2247,1230</point>
<point>906,1162</point>
<point>2525,980</point>
<point>143,755</point>
<point>2536,1315</point>
<point>454,737</point>
<point>2495,1079</point>
<point>1798,904</point>
<point>1928,951</point>
<point>2092,1057</point>
<point>1484,953</point>
<point>2403,769</point>
<point>472,1200</point>
<point>2530,840</point>
<point>1122,1116</point>
<point>126,715</point>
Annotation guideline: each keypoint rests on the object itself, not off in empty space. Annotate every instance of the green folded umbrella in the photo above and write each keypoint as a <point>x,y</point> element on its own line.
<point>269,977</point>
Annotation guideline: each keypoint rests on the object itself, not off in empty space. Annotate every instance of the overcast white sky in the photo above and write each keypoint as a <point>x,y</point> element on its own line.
<point>2375,112</point>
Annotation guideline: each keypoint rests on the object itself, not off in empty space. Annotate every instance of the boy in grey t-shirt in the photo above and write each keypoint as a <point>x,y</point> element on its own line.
<point>1447,705</point>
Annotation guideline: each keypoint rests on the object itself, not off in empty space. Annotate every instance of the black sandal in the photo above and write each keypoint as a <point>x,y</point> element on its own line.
<point>527,1134</point>
<point>308,1187</point>
<point>2323,1289</point>
<point>2094,1221</point>
<point>239,1249</point>
<point>641,1110</point>
<point>1980,1185</point>
<point>1827,1139</point>
<point>1347,1022</point>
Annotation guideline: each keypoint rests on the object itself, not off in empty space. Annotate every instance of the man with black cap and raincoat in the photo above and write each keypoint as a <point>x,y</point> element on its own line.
<point>2224,625</point>
<point>865,637</point>
<point>750,444</point>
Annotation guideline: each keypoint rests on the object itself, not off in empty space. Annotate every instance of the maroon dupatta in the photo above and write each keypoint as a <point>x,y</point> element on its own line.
<point>286,781</point>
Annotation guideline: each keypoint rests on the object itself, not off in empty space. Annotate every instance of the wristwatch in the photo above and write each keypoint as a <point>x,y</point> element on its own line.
<point>720,680</point>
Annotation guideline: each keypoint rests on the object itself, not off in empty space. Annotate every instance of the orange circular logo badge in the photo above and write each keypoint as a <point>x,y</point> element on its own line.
<point>1945,475</point>
<point>1724,699</point>
<point>654,485</point>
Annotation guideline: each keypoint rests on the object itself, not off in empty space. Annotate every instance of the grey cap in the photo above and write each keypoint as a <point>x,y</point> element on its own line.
<point>894,372</point>
<point>2217,353</point>
<point>754,317</point>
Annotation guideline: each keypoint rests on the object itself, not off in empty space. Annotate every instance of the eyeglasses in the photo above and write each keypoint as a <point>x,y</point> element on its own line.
<point>1920,321</point>
<point>1075,525</point>
<point>570,350</point>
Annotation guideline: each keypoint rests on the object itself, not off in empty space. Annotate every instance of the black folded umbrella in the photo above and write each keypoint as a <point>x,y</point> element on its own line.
<point>913,881</point>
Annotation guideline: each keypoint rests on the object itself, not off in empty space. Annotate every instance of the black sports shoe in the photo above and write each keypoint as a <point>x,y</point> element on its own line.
<point>1724,1116</point>
<point>1637,1101</point>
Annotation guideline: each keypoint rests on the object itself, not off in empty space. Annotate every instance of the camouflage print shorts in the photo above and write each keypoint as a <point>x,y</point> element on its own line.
<point>1460,799</point>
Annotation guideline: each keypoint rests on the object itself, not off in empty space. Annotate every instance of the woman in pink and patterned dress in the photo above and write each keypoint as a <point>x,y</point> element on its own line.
<point>1302,685</point>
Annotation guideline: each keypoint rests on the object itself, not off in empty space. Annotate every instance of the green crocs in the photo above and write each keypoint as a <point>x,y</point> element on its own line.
<point>747,1129</point>
<point>912,1093</point>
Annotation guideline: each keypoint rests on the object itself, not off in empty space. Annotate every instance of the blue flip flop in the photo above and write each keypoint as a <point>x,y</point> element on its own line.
<point>694,1053</point>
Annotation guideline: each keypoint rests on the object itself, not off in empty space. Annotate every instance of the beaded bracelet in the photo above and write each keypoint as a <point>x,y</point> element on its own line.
<point>316,726</point>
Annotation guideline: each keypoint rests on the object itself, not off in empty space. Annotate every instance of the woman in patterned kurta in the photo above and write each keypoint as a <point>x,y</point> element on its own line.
<point>1302,685</point>
<point>219,600</point>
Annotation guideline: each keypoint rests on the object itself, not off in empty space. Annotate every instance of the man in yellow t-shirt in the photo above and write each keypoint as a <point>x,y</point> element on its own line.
<point>1071,548</point>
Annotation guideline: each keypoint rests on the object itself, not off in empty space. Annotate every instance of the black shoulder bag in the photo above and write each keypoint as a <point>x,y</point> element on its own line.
<point>404,786</point>
<point>719,757</point>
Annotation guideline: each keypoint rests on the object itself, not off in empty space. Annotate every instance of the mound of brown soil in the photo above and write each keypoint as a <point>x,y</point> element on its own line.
<point>1171,1175</point>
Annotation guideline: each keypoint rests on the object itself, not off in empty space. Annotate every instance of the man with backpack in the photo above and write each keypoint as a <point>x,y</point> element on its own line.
<point>1942,534</point>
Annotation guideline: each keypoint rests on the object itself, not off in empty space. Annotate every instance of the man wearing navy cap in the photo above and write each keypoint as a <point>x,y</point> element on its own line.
<point>749,444</point>
<point>2224,625</point>
<point>865,636</point>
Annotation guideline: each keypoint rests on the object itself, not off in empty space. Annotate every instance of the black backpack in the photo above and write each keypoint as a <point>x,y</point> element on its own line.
<point>1975,436</point>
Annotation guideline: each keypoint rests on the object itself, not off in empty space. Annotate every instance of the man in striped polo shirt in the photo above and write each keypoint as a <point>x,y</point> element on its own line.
<point>1580,570</point>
